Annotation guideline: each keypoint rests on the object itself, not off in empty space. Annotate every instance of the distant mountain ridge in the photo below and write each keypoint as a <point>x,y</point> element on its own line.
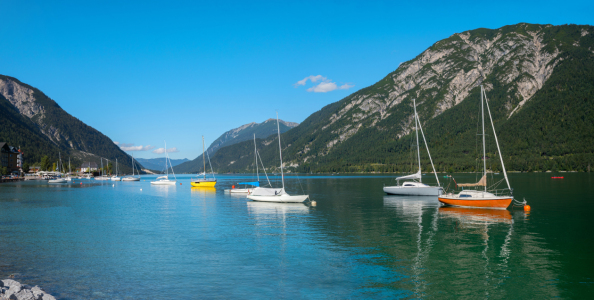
<point>234,136</point>
<point>540,84</point>
<point>35,122</point>
<point>158,164</point>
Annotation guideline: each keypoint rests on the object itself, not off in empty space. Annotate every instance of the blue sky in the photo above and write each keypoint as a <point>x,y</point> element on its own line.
<point>143,72</point>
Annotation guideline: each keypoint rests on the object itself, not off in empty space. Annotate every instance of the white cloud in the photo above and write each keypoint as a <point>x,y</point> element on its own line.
<point>312,78</point>
<point>326,85</point>
<point>117,143</point>
<point>162,150</point>
<point>131,147</point>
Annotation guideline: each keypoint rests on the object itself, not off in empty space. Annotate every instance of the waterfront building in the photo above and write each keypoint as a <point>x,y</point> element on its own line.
<point>10,157</point>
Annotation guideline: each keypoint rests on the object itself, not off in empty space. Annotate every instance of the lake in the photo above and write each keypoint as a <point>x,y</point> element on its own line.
<point>131,240</point>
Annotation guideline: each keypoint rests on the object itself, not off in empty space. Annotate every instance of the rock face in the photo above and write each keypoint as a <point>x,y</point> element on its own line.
<point>13,290</point>
<point>36,114</point>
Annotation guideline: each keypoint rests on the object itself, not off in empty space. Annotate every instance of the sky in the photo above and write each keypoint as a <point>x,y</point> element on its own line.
<point>146,72</point>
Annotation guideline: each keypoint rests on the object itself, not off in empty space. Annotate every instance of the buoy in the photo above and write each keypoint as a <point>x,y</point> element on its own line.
<point>526,207</point>
<point>113,185</point>
<point>81,183</point>
<point>232,186</point>
<point>140,189</point>
<point>180,183</point>
<point>313,203</point>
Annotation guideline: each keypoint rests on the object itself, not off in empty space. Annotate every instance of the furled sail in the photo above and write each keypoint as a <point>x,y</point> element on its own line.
<point>412,176</point>
<point>482,182</point>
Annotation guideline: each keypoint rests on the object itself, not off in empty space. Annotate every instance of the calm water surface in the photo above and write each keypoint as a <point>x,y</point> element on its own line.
<point>114,240</point>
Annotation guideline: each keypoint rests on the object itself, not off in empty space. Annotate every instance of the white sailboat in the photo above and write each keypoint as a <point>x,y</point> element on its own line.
<point>276,194</point>
<point>103,176</point>
<point>115,177</point>
<point>413,187</point>
<point>69,176</point>
<point>59,179</point>
<point>254,184</point>
<point>131,178</point>
<point>164,180</point>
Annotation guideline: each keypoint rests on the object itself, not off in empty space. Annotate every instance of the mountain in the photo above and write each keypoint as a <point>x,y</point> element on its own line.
<point>234,136</point>
<point>158,164</point>
<point>37,124</point>
<point>540,85</point>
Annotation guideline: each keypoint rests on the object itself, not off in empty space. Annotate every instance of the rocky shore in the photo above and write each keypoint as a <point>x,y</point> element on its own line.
<point>14,290</point>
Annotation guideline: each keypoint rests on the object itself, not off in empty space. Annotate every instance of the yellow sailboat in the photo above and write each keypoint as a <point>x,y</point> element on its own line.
<point>204,182</point>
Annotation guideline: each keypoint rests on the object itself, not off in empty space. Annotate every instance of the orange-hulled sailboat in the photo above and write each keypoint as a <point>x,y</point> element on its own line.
<point>499,199</point>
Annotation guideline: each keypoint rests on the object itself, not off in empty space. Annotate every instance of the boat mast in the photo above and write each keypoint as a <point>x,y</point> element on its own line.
<point>417,131</point>
<point>116,167</point>
<point>256,158</point>
<point>497,142</point>
<point>166,168</point>
<point>69,170</point>
<point>484,151</point>
<point>280,151</point>
<point>427,146</point>
<point>203,159</point>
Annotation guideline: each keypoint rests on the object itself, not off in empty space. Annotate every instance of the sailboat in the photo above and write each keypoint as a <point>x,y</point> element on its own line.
<point>131,178</point>
<point>412,187</point>
<point>254,184</point>
<point>115,177</point>
<point>204,182</point>
<point>164,180</point>
<point>482,198</point>
<point>103,176</point>
<point>69,176</point>
<point>275,194</point>
<point>59,179</point>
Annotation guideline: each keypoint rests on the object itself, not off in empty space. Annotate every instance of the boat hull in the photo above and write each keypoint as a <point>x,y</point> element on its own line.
<point>413,191</point>
<point>491,202</point>
<point>280,198</point>
<point>115,179</point>
<point>130,179</point>
<point>240,191</point>
<point>203,183</point>
<point>57,181</point>
<point>163,182</point>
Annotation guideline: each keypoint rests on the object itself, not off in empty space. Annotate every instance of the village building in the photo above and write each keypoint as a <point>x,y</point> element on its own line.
<point>11,158</point>
<point>89,167</point>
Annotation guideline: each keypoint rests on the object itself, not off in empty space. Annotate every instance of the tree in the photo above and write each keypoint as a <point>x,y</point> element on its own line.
<point>45,163</point>
<point>53,166</point>
<point>26,167</point>
<point>4,171</point>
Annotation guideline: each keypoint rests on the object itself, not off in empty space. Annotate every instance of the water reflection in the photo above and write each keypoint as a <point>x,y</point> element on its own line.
<point>203,191</point>
<point>277,209</point>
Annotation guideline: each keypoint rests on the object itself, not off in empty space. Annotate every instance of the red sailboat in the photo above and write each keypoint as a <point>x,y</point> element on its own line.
<point>481,198</point>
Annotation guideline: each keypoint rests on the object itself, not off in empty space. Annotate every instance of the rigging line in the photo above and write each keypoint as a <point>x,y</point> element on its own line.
<point>263,168</point>
<point>211,171</point>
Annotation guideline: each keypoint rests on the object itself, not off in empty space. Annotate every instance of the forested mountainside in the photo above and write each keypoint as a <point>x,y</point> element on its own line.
<point>539,82</point>
<point>234,136</point>
<point>37,124</point>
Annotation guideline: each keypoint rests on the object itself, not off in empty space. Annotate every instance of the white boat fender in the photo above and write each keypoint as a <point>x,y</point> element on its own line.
<point>313,203</point>
<point>112,185</point>
<point>141,190</point>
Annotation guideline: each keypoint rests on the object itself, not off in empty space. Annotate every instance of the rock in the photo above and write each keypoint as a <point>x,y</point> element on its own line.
<point>14,290</point>
<point>25,294</point>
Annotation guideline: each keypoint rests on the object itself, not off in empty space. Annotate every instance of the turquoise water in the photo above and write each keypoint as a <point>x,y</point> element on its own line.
<point>113,240</point>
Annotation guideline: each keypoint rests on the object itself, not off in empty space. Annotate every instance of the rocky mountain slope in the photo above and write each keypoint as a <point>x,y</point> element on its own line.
<point>35,122</point>
<point>243,133</point>
<point>368,130</point>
